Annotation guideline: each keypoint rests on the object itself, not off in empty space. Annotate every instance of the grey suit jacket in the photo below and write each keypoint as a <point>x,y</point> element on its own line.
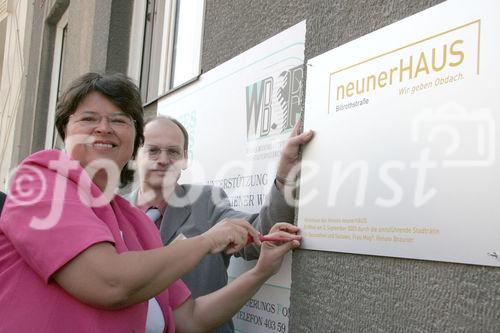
<point>196,208</point>
<point>2,201</point>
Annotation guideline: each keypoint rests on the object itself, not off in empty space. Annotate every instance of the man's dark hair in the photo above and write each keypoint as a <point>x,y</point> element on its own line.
<point>120,91</point>
<point>176,122</point>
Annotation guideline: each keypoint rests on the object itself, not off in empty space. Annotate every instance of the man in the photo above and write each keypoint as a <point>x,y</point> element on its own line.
<point>189,210</point>
<point>2,200</point>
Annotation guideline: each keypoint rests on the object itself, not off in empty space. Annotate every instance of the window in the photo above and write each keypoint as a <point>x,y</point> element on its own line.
<point>187,41</point>
<point>165,44</point>
<point>52,140</point>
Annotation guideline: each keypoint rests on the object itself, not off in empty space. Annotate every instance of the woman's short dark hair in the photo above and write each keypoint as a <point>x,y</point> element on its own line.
<point>120,90</point>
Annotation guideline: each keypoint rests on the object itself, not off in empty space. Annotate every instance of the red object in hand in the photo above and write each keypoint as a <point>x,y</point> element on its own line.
<point>269,239</point>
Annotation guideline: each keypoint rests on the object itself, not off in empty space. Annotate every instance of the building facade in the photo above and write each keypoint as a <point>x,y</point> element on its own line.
<point>45,44</point>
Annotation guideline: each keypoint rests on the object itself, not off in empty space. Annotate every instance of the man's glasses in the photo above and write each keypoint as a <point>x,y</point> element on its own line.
<point>92,119</point>
<point>153,152</point>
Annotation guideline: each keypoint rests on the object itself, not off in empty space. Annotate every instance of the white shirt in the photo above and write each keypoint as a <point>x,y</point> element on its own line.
<point>155,322</point>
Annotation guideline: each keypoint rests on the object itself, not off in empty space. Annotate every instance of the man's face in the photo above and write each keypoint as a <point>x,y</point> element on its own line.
<point>162,158</point>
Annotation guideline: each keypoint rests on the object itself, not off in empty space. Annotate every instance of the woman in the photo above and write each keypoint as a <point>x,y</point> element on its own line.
<point>76,258</point>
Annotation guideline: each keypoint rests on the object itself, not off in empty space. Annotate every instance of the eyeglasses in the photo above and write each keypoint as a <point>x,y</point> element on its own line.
<point>92,119</point>
<point>153,152</point>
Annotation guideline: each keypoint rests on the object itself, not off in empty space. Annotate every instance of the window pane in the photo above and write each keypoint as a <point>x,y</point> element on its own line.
<point>187,47</point>
<point>56,139</point>
<point>147,51</point>
<point>58,53</point>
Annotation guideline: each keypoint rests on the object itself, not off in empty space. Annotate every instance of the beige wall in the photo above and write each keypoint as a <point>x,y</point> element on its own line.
<point>97,40</point>
<point>11,84</point>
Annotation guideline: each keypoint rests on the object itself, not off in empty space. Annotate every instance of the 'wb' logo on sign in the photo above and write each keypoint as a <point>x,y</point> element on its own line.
<point>269,115</point>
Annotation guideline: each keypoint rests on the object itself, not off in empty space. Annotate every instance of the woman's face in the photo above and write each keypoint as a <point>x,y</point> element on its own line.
<point>99,130</point>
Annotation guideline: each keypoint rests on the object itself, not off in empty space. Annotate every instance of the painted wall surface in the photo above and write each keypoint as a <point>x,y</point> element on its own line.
<point>338,292</point>
<point>13,27</point>
<point>97,40</point>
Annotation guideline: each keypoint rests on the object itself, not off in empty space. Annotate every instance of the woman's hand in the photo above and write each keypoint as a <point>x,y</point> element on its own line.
<point>272,253</point>
<point>211,310</point>
<point>230,235</point>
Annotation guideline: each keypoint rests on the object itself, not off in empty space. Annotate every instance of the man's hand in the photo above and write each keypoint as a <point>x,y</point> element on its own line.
<point>290,156</point>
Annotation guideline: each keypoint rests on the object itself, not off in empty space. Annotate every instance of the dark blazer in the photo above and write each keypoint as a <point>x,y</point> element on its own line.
<point>2,200</point>
<point>196,208</point>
